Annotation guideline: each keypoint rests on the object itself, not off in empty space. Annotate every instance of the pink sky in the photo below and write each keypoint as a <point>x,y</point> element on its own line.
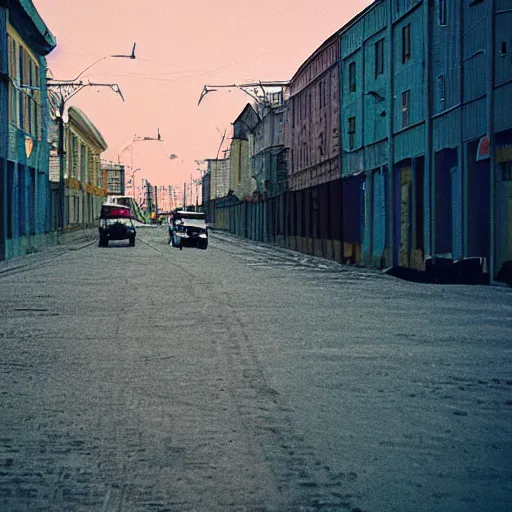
<point>179,49</point>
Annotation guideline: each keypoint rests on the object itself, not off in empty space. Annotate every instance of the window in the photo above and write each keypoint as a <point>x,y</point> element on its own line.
<point>506,171</point>
<point>406,100</point>
<point>379,57</point>
<point>74,157</point>
<point>24,89</point>
<point>352,77</point>
<point>503,48</point>
<point>83,163</point>
<point>441,90</point>
<point>351,132</point>
<point>442,12</point>
<point>321,144</point>
<point>12,48</point>
<point>406,43</point>
<point>321,94</point>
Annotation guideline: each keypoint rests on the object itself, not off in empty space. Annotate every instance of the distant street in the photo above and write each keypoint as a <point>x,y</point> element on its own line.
<point>247,378</point>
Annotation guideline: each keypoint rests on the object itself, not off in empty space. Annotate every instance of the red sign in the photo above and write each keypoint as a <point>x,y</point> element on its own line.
<point>483,151</point>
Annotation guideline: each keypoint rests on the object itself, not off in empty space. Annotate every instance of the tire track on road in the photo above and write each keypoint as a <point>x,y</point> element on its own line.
<point>303,482</point>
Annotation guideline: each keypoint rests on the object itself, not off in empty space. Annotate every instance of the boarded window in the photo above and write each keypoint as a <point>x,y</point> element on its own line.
<point>352,77</point>
<point>406,101</point>
<point>379,57</point>
<point>442,12</point>
<point>406,43</point>
<point>441,91</point>
<point>351,132</point>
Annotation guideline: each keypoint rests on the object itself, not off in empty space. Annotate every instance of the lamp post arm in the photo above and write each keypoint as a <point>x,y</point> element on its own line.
<point>131,56</point>
<point>87,68</point>
<point>68,89</point>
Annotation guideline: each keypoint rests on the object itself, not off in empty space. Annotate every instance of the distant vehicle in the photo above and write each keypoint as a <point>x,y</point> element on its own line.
<point>116,224</point>
<point>188,229</point>
<point>131,203</point>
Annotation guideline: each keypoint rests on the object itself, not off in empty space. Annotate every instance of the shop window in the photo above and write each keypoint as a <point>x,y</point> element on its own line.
<point>21,202</point>
<point>32,200</point>
<point>506,171</point>
<point>10,197</point>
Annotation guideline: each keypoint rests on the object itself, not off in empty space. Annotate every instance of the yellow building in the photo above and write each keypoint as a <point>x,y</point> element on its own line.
<point>242,182</point>
<point>83,178</point>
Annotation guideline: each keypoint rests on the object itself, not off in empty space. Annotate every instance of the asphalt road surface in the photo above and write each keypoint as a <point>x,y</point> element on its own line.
<point>247,378</point>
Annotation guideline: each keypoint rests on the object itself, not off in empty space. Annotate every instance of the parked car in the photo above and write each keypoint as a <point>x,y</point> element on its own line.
<point>188,229</point>
<point>116,224</point>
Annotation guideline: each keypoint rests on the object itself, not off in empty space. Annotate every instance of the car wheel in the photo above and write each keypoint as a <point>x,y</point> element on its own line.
<point>132,241</point>
<point>203,245</point>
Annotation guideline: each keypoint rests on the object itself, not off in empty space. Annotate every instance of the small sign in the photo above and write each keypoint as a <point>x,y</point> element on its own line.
<point>29,145</point>
<point>483,151</point>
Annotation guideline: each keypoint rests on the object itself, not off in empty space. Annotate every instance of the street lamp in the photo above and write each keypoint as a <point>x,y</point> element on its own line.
<point>133,181</point>
<point>66,90</point>
<point>137,138</point>
<point>131,56</point>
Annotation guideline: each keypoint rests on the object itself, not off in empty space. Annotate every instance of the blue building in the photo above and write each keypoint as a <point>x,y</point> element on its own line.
<point>25,40</point>
<point>427,131</point>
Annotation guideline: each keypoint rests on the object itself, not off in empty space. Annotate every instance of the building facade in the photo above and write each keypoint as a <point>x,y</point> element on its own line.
<point>314,206</point>
<point>398,142</point>
<point>25,40</point>
<point>426,132</point>
<point>242,182</point>
<point>113,176</point>
<point>269,167</point>
<point>83,176</point>
<point>220,177</point>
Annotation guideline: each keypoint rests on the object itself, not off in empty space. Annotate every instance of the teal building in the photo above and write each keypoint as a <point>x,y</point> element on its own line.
<point>426,145</point>
<point>25,40</point>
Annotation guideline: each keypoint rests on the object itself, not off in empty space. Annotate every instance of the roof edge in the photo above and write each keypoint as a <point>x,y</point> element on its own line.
<point>44,32</point>
<point>334,36</point>
<point>86,125</point>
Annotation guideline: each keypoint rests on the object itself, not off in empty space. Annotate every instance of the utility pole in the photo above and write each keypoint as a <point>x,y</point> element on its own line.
<point>185,195</point>
<point>149,198</point>
<point>4,141</point>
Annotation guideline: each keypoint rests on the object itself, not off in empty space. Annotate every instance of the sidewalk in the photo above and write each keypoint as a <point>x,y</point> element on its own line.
<point>68,241</point>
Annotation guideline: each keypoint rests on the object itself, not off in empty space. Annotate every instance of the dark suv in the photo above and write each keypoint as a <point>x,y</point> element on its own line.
<point>116,224</point>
